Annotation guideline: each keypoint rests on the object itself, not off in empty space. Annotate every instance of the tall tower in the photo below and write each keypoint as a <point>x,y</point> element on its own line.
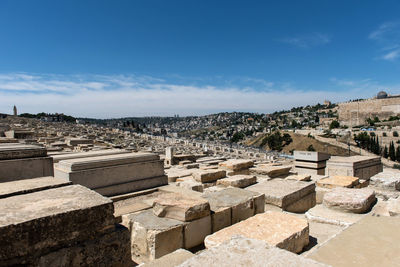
<point>15,111</point>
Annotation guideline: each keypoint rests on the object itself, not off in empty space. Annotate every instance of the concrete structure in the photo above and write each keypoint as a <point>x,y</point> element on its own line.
<point>18,162</point>
<point>114,174</point>
<point>362,167</point>
<point>308,162</point>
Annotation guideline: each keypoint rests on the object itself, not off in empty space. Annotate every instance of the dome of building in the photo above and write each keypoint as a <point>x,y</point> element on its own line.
<point>381,94</point>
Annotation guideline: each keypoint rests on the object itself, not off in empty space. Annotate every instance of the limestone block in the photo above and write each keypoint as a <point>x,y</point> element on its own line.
<point>181,207</point>
<point>195,231</point>
<point>240,202</point>
<point>51,218</point>
<point>110,170</point>
<point>240,172</point>
<point>110,249</point>
<point>21,187</point>
<point>388,180</point>
<point>152,236</point>
<point>283,193</point>
<point>372,241</point>
<point>170,260</point>
<point>206,176</point>
<point>350,200</point>
<point>303,204</point>
<point>320,192</point>
<point>240,181</point>
<point>236,164</point>
<point>310,156</point>
<point>133,186</point>
<point>57,158</point>
<point>277,229</point>
<point>300,177</point>
<point>25,168</point>
<point>393,207</point>
<point>322,214</point>
<point>220,219</point>
<point>338,181</point>
<point>192,166</point>
<point>191,184</point>
<point>271,171</point>
<point>20,151</point>
<point>241,251</point>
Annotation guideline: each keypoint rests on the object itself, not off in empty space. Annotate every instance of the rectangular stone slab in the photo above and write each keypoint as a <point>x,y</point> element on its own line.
<point>57,158</point>
<point>338,181</point>
<point>275,228</point>
<point>206,176</point>
<point>111,175</point>
<point>152,237</point>
<point>19,151</point>
<point>25,168</point>
<point>51,218</point>
<point>240,181</point>
<point>281,192</point>
<point>105,161</point>
<point>236,164</point>
<point>129,187</point>
<point>241,251</point>
<point>181,207</point>
<point>271,171</point>
<point>310,156</point>
<point>373,241</point>
<point>21,187</point>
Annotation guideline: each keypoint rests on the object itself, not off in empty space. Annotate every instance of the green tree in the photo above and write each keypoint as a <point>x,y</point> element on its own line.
<point>310,148</point>
<point>392,152</point>
<point>385,152</point>
<point>334,124</point>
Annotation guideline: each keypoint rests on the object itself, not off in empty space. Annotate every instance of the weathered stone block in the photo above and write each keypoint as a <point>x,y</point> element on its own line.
<point>277,229</point>
<point>283,193</point>
<point>350,200</point>
<point>236,164</point>
<point>21,187</point>
<point>35,222</point>
<point>180,207</point>
<point>170,260</point>
<point>338,181</point>
<point>241,251</point>
<point>195,232</point>
<point>387,180</point>
<point>240,181</point>
<point>271,171</point>
<point>152,236</point>
<point>206,176</point>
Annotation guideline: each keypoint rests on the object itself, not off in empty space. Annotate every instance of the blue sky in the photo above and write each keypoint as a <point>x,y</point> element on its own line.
<point>137,58</point>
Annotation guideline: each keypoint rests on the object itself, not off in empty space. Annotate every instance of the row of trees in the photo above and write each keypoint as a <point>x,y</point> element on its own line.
<point>371,143</point>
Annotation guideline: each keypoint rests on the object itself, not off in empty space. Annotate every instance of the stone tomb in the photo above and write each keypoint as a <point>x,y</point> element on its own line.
<point>106,152</point>
<point>362,167</point>
<point>275,228</point>
<point>290,195</point>
<point>242,251</point>
<point>310,162</point>
<point>114,174</point>
<point>65,226</point>
<point>232,205</point>
<point>20,161</point>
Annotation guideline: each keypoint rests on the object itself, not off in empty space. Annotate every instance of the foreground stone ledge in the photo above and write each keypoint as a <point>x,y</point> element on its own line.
<point>242,251</point>
<point>181,207</point>
<point>276,229</point>
<point>21,187</point>
<point>19,151</point>
<point>51,218</point>
<point>373,241</point>
<point>350,200</point>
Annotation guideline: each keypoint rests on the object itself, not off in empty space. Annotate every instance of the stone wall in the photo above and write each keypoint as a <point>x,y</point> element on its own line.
<point>355,113</point>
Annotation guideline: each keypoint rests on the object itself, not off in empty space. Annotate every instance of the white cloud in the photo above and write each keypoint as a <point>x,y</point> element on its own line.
<point>308,40</point>
<point>387,37</point>
<point>120,96</point>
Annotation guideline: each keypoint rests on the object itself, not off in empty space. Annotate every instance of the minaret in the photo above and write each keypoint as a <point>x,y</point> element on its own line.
<point>15,111</point>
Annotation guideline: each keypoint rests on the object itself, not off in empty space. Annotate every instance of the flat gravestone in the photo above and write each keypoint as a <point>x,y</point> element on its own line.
<point>275,228</point>
<point>350,199</point>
